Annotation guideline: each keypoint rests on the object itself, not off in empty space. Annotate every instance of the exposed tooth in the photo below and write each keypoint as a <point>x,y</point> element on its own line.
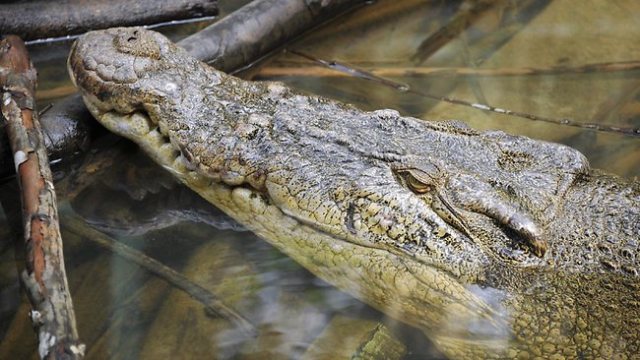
<point>163,129</point>
<point>154,137</point>
<point>197,181</point>
<point>139,123</point>
<point>241,197</point>
<point>258,205</point>
<point>180,165</point>
<point>357,222</point>
<point>232,178</point>
<point>166,148</point>
<point>166,152</point>
<point>186,163</point>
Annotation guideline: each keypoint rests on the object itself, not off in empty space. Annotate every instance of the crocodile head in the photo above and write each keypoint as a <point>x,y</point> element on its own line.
<point>435,224</point>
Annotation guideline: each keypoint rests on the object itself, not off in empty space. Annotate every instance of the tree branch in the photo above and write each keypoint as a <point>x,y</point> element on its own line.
<point>211,302</point>
<point>44,277</point>
<point>45,19</point>
<point>302,69</point>
<point>367,75</point>
<point>258,28</point>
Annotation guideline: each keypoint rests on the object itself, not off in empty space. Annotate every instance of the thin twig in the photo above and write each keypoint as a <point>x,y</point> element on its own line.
<point>211,302</point>
<point>426,71</point>
<point>617,100</point>
<point>44,277</point>
<point>376,16</point>
<point>158,25</point>
<point>56,93</point>
<point>363,74</point>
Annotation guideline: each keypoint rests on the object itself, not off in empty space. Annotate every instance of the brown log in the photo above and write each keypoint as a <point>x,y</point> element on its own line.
<point>44,278</point>
<point>259,28</point>
<point>46,19</point>
<point>63,136</point>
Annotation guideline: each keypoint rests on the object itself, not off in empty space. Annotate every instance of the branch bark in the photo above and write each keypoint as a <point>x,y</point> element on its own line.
<point>302,69</point>
<point>367,75</point>
<point>64,136</point>
<point>44,277</point>
<point>258,28</point>
<point>42,19</point>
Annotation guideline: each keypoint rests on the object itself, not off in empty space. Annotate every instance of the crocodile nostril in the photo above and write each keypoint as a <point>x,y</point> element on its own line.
<point>137,43</point>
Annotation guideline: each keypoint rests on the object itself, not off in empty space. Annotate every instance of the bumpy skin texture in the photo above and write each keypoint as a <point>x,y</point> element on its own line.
<point>494,245</point>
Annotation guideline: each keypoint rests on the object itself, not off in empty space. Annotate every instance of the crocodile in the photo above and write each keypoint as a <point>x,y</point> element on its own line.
<point>493,245</point>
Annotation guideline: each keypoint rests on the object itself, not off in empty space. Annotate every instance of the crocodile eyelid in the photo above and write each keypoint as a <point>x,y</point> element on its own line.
<point>417,185</point>
<point>416,179</point>
<point>423,176</point>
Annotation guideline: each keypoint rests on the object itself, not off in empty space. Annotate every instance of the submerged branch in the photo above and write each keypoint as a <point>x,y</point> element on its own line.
<point>428,71</point>
<point>68,128</point>
<point>44,278</point>
<point>211,302</point>
<point>366,75</point>
<point>46,19</point>
<point>469,11</point>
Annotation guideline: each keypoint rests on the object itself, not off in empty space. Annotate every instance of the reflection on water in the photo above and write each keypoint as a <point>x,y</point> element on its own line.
<point>125,312</point>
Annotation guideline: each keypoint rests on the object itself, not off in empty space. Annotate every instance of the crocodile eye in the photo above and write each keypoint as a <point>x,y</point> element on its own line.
<point>416,185</point>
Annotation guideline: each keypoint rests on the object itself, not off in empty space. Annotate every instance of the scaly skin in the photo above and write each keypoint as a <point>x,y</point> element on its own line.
<point>494,245</point>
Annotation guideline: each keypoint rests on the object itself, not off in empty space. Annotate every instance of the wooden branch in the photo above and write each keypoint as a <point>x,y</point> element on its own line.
<point>366,75</point>
<point>68,128</point>
<point>212,303</point>
<point>44,277</point>
<point>45,19</point>
<point>258,28</point>
<point>64,136</point>
<point>426,71</point>
<point>469,12</point>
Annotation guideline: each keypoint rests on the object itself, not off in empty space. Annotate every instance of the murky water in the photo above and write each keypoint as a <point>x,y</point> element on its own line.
<point>126,312</point>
